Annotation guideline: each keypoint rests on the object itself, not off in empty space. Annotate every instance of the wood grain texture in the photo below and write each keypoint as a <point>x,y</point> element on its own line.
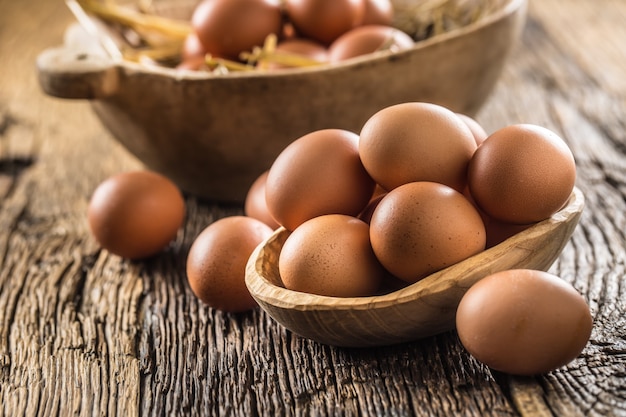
<point>83,332</point>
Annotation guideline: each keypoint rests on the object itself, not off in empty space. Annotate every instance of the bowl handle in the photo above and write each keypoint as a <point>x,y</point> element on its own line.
<point>76,74</point>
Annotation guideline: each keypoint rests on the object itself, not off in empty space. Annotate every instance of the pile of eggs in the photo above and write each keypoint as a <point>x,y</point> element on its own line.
<point>418,189</point>
<point>319,30</point>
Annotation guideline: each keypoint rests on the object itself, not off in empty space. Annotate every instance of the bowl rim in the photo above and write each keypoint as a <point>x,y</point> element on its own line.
<point>510,7</point>
<point>284,298</point>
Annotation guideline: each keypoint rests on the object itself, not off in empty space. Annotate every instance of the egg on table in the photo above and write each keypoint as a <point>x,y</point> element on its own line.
<point>523,322</point>
<point>136,214</point>
<point>216,262</point>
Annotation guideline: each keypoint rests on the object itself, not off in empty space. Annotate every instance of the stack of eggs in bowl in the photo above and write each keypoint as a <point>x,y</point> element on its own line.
<point>420,221</point>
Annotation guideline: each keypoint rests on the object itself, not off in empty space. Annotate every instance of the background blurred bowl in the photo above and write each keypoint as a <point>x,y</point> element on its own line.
<point>215,134</point>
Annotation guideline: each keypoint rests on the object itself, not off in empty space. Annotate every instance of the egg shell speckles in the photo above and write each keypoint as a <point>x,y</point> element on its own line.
<point>411,142</point>
<point>522,174</point>
<point>422,227</point>
<point>331,255</point>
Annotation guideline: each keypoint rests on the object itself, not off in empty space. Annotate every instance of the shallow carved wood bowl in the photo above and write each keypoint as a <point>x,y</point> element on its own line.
<point>419,310</point>
<point>215,134</point>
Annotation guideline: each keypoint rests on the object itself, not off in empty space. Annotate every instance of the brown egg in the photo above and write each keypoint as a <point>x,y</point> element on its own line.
<point>136,214</point>
<point>228,27</point>
<point>416,142</point>
<point>319,173</point>
<point>378,12</point>
<point>365,40</point>
<point>216,264</point>
<point>330,255</point>
<point>523,322</point>
<point>522,174</point>
<point>422,227</point>
<point>477,130</point>
<point>255,205</point>
<point>324,20</point>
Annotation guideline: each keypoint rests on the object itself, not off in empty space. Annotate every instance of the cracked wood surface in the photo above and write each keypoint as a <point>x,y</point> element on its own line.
<point>86,333</point>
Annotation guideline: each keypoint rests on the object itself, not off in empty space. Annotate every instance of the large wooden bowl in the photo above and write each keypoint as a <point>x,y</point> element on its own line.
<point>422,309</point>
<point>215,134</point>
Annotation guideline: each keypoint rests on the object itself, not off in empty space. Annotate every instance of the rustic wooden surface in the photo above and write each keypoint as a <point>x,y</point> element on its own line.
<point>86,333</point>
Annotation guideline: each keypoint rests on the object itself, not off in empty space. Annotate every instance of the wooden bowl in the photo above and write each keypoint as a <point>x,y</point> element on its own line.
<point>419,310</point>
<point>215,134</point>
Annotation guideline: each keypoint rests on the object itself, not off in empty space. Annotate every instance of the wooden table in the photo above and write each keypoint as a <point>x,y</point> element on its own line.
<point>83,332</point>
